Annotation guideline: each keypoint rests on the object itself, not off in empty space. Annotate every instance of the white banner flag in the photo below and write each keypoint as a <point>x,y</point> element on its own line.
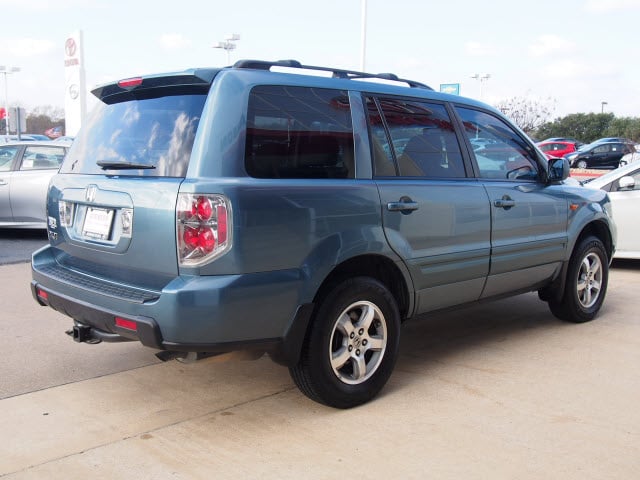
<point>75,102</point>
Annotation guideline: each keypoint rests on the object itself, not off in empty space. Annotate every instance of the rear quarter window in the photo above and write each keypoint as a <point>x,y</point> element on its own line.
<point>299,132</point>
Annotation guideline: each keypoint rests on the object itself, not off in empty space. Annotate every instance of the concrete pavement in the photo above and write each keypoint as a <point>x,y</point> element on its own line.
<point>498,391</point>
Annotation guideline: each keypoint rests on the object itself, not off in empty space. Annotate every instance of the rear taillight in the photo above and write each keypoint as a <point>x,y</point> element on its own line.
<point>203,227</point>
<point>65,210</point>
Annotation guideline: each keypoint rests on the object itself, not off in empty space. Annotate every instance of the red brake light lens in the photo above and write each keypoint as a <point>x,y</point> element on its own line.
<point>130,82</point>
<point>191,237</point>
<point>204,208</point>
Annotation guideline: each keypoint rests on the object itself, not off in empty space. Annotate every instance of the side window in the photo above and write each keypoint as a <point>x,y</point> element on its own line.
<point>7,154</point>
<point>423,140</point>
<point>42,158</point>
<point>383,163</point>
<point>602,149</point>
<point>499,151</point>
<point>299,132</point>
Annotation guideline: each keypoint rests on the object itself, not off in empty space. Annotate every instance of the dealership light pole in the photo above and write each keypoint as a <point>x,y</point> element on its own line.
<point>363,35</point>
<point>7,71</point>
<point>481,79</point>
<point>602,104</point>
<point>228,44</point>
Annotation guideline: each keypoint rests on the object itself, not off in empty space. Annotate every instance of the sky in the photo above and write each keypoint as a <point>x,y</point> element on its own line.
<point>570,55</point>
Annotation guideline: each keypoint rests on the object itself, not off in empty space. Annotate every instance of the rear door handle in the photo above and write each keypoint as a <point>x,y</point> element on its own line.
<point>505,202</point>
<point>402,206</point>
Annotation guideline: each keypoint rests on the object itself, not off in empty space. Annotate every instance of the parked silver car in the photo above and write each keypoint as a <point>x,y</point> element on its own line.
<point>623,185</point>
<point>25,171</point>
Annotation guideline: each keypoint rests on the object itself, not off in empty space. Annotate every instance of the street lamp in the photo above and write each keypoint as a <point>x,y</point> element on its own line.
<point>481,79</point>
<point>602,104</point>
<point>228,44</point>
<point>363,35</point>
<point>7,71</point>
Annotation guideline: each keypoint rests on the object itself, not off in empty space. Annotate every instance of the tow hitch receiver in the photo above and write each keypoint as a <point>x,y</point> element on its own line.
<point>81,334</point>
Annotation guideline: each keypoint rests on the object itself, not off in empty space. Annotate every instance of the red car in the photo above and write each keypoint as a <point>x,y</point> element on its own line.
<point>557,149</point>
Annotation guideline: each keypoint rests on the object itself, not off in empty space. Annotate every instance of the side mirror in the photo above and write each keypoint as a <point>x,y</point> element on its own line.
<point>559,169</point>
<point>626,183</point>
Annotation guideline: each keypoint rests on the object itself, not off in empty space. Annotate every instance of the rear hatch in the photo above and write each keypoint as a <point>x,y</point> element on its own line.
<point>112,206</point>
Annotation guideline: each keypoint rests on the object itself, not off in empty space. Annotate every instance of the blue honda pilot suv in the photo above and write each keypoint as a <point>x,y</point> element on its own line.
<point>277,210</point>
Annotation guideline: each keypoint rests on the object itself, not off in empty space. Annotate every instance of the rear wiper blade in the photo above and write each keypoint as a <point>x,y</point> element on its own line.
<point>118,165</point>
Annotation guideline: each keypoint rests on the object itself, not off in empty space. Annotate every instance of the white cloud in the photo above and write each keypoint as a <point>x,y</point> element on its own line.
<point>477,49</point>
<point>604,6</point>
<point>44,5</point>
<point>565,70</point>
<point>550,44</point>
<point>26,47</point>
<point>568,69</point>
<point>174,41</point>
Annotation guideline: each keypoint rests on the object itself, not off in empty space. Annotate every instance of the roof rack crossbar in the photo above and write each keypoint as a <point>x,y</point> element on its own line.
<point>336,72</point>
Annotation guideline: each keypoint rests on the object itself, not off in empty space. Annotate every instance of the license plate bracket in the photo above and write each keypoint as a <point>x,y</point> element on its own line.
<point>97,223</point>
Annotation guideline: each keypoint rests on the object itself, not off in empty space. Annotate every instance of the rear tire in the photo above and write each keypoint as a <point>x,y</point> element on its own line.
<point>586,283</point>
<point>351,346</point>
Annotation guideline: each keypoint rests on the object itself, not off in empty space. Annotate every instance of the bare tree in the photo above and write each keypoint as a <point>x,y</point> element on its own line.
<point>529,114</point>
<point>43,118</point>
<point>54,113</point>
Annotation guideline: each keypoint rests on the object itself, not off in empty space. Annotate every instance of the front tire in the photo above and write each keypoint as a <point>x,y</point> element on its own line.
<point>581,164</point>
<point>586,283</point>
<point>352,344</point>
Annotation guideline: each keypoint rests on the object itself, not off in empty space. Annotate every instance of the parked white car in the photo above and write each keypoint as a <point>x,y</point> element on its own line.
<point>25,171</point>
<point>623,185</point>
<point>630,158</point>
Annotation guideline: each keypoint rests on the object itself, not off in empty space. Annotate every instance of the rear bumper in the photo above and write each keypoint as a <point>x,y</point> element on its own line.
<point>213,314</point>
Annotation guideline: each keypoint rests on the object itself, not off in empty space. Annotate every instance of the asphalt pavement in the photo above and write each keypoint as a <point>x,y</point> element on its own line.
<point>502,390</point>
<point>16,245</point>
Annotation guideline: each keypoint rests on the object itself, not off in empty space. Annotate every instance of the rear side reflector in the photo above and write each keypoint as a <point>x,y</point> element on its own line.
<point>128,324</point>
<point>42,294</point>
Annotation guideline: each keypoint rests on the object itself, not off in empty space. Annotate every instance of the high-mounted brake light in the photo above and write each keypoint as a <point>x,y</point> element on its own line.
<point>130,82</point>
<point>203,228</point>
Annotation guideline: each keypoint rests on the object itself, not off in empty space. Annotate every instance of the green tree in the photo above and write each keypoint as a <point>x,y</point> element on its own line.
<point>627,127</point>
<point>586,127</point>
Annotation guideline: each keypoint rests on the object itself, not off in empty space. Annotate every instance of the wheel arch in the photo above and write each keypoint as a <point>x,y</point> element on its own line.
<point>379,267</point>
<point>597,228</point>
<point>600,230</point>
<point>391,274</point>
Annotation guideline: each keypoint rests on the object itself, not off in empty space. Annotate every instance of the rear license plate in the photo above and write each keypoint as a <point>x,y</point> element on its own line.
<point>97,223</point>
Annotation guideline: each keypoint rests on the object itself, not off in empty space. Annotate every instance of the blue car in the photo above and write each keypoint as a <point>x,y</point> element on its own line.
<point>261,207</point>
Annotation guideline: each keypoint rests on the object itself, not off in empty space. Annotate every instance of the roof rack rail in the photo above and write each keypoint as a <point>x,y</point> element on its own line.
<point>337,73</point>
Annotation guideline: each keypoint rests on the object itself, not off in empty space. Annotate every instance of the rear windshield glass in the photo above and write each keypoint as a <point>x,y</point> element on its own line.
<point>147,137</point>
